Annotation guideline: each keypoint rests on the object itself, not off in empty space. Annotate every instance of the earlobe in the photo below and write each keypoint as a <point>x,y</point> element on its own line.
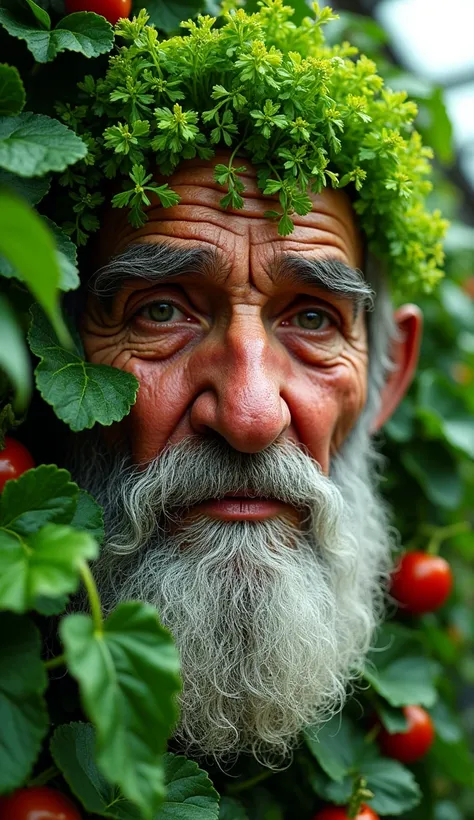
<point>404,354</point>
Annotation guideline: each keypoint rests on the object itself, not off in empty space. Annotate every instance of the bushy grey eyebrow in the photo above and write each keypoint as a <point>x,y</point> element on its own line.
<point>157,261</point>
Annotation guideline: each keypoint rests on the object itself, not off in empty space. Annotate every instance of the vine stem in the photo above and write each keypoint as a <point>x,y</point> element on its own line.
<point>247,784</point>
<point>44,777</point>
<point>93,596</point>
<point>53,663</point>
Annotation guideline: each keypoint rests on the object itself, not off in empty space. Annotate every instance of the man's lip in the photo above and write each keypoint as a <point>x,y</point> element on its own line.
<point>243,507</point>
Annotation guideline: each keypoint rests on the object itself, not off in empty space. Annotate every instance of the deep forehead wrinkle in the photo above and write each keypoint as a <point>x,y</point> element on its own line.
<point>157,261</point>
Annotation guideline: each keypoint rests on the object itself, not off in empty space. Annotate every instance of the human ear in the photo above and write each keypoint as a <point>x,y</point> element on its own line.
<point>404,355</point>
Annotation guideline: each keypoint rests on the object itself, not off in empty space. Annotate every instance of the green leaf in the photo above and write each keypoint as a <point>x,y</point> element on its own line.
<point>14,358</point>
<point>88,33</point>
<point>67,258</point>
<point>190,794</point>
<point>12,92</point>
<point>401,426</point>
<point>42,495</point>
<point>440,400</point>
<point>231,809</point>
<point>128,678</point>
<point>43,564</point>
<point>35,260</point>
<point>41,15</point>
<point>455,760</point>
<point>80,392</point>
<point>23,715</point>
<point>437,472</point>
<point>33,144</point>
<point>167,16</point>
<point>398,671</point>
<point>393,719</point>
<point>72,749</point>
<point>33,190</point>
<point>336,746</point>
<point>446,725</point>
<point>394,786</point>
<point>88,516</point>
<point>85,32</point>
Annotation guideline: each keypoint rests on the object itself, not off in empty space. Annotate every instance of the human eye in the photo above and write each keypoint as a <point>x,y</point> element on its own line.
<point>162,312</point>
<point>311,319</point>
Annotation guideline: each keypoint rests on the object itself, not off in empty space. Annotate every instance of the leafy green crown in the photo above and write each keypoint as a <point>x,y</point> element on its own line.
<point>306,114</point>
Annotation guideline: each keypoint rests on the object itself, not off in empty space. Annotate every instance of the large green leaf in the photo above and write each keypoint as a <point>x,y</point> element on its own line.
<point>14,358</point>
<point>129,678</point>
<point>168,15</point>
<point>88,33</point>
<point>72,748</point>
<point>397,669</point>
<point>455,760</point>
<point>33,144</point>
<point>88,516</point>
<point>35,260</point>
<point>40,496</point>
<point>190,794</point>
<point>394,787</point>
<point>23,715</point>
<point>45,563</point>
<point>80,392</point>
<point>67,258</point>
<point>33,190</point>
<point>336,745</point>
<point>437,472</point>
<point>12,93</point>
<point>443,402</point>
<point>231,809</point>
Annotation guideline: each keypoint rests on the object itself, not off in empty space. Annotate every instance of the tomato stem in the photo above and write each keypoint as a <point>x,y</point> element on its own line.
<point>53,663</point>
<point>247,784</point>
<point>44,776</point>
<point>93,596</point>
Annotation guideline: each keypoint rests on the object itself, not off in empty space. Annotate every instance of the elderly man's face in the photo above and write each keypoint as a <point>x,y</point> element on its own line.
<point>235,499</point>
<point>248,346</point>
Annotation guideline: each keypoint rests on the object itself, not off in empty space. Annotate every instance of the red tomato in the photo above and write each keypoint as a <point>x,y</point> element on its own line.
<point>412,744</point>
<point>38,803</point>
<point>339,813</point>
<point>112,10</point>
<point>14,460</point>
<point>421,582</point>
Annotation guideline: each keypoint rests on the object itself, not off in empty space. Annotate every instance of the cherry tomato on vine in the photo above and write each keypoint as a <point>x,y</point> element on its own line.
<point>421,582</point>
<point>414,742</point>
<point>38,803</point>
<point>112,10</point>
<point>340,813</point>
<point>14,460</point>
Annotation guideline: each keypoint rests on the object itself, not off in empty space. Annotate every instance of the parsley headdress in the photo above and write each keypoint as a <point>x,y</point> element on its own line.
<point>306,114</point>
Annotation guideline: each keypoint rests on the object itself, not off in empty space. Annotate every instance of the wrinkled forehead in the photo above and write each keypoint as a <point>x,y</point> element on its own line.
<point>328,231</point>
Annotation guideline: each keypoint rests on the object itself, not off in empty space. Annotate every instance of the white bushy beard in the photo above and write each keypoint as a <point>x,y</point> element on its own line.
<point>272,619</point>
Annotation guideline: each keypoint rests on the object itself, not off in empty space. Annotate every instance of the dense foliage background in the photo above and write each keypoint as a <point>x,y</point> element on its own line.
<point>50,530</point>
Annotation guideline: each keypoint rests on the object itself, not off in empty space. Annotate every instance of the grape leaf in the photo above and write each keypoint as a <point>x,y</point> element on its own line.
<point>35,260</point>
<point>23,715</point>
<point>33,190</point>
<point>336,745</point>
<point>72,748</point>
<point>88,33</point>
<point>14,358</point>
<point>40,496</point>
<point>80,392</point>
<point>88,516</point>
<point>45,563</point>
<point>128,679</point>
<point>33,144</point>
<point>12,93</point>
<point>189,792</point>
